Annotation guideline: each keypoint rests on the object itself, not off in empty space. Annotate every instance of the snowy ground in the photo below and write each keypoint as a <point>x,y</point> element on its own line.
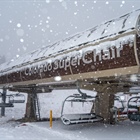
<point>40,131</point>
<point>13,130</point>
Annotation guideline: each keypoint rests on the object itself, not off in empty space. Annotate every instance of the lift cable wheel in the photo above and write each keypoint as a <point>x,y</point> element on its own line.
<point>69,119</point>
<point>133,108</point>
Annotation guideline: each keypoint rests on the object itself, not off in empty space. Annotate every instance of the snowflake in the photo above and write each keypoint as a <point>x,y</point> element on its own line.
<point>75,3</point>
<point>48,18</point>
<point>47,1</point>
<point>107,2</point>
<point>57,78</point>
<point>123,2</point>
<point>18,25</point>
<point>21,40</point>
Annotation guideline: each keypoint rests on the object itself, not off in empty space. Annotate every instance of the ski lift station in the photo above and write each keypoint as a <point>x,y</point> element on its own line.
<point>105,59</point>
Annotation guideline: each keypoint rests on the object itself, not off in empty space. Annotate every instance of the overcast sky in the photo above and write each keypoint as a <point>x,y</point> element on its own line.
<point>26,25</point>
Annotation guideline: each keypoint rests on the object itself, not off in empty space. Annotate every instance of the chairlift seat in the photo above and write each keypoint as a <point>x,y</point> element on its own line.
<point>68,119</point>
<point>17,101</point>
<point>134,117</point>
<point>17,98</point>
<point>132,106</point>
<point>80,100</point>
<point>133,110</point>
<point>6,105</point>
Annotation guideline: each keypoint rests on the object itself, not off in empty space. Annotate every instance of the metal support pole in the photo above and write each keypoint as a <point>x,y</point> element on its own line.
<point>50,118</point>
<point>32,106</point>
<point>116,119</point>
<point>3,101</point>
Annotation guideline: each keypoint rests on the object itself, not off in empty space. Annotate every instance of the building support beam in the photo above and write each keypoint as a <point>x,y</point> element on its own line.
<point>105,99</point>
<point>32,106</point>
<point>105,102</point>
<point>30,112</point>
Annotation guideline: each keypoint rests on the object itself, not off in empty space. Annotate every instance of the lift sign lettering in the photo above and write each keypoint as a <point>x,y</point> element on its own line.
<point>86,57</point>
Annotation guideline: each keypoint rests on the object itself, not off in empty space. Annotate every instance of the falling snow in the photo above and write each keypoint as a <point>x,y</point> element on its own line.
<point>107,2</point>
<point>21,40</point>
<point>41,23</point>
<point>76,4</point>
<point>35,21</point>
<point>57,78</point>
<point>47,1</point>
<point>17,55</point>
<point>18,25</point>
<point>123,2</point>
<point>61,0</point>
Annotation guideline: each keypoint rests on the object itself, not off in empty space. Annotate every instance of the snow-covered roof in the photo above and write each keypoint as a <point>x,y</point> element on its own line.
<point>97,34</point>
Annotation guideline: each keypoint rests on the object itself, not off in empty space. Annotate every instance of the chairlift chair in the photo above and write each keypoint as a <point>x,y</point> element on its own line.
<point>69,119</point>
<point>17,98</point>
<point>6,105</point>
<point>120,109</point>
<point>133,108</point>
<point>119,113</point>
